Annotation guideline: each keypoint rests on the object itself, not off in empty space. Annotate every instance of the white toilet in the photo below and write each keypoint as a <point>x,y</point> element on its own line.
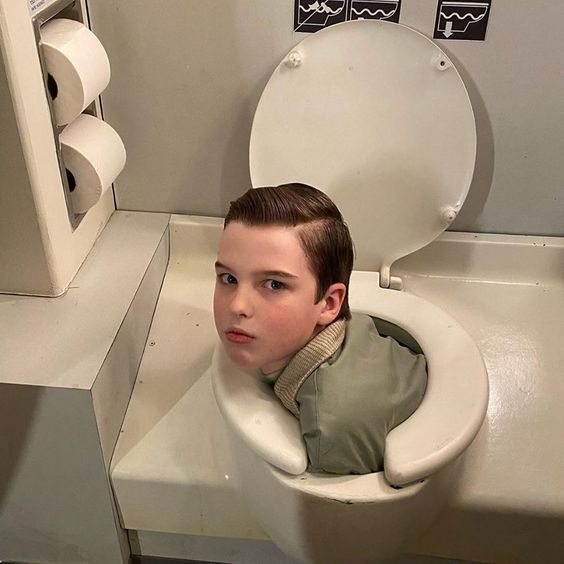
<point>376,115</point>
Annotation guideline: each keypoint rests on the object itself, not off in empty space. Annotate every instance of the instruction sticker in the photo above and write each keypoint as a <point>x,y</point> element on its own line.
<point>375,10</point>
<point>37,5</point>
<point>462,20</point>
<point>313,15</point>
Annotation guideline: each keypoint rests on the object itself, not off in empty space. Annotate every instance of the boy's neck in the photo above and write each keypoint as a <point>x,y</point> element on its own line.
<point>274,368</point>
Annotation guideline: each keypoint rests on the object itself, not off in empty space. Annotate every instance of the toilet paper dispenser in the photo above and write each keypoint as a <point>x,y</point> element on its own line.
<point>75,71</point>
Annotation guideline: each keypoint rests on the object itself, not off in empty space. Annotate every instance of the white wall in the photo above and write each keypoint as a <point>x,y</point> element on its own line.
<point>21,248</point>
<point>187,75</point>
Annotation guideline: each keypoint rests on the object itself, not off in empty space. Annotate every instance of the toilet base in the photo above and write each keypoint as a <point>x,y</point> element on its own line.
<point>307,517</point>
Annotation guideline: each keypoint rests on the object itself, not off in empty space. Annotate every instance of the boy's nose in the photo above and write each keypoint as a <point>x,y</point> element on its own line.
<point>241,305</point>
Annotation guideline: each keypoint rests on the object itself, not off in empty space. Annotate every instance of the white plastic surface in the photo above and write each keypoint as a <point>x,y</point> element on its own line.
<point>255,414</point>
<point>376,116</point>
<point>439,431</point>
<point>173,471</point>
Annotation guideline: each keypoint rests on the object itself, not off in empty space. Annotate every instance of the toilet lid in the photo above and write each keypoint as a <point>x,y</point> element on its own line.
<point>374,114</point>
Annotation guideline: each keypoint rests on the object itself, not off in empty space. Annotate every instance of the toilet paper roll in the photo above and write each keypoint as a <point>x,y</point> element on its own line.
<point>94,155</point>
<point>77,65</point>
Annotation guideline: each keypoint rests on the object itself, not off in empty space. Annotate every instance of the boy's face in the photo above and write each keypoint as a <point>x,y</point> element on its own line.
<point>264,301</point>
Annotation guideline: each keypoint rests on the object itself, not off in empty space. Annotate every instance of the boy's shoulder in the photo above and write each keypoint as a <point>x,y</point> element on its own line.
<point>350,403</point>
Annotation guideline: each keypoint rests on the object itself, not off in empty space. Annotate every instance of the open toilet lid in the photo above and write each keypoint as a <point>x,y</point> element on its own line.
<point>375,115</point>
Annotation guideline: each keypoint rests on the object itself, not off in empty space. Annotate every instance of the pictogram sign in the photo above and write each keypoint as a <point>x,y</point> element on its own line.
<point>313,15</point>
<point>462,20</point>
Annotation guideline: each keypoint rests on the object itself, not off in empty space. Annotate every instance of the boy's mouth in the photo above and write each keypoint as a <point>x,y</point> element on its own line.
<point>238,336</point>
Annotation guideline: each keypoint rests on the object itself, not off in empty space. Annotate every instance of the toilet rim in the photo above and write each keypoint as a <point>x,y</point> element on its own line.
<point>435,435</point>
<point>440,429</point>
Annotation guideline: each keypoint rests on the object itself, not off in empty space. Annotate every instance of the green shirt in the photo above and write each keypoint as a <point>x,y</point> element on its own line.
<point>355,397</point>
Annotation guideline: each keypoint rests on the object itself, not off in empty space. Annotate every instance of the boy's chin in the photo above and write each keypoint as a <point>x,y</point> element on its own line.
<point>245,360</point>
<point>242,359</point>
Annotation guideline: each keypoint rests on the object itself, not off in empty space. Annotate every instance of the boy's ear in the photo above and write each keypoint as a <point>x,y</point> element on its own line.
<point>332,302</point>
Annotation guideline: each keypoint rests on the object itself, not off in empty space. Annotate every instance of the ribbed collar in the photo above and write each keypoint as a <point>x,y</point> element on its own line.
<point>305,361</point>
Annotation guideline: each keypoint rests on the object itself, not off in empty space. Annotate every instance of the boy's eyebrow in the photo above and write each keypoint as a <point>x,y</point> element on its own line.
<point>279,273</point>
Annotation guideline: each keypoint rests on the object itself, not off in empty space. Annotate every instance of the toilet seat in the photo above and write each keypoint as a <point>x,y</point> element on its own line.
<point>437,433</point>
<point>455,401</point>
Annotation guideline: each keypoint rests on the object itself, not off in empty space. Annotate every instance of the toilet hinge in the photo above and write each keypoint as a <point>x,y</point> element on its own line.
<point>388,281</point>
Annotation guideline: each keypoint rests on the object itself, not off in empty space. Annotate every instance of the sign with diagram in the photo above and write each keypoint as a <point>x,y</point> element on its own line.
<point>462,20</point>
<point>313,15</point>
<point>38,5</point>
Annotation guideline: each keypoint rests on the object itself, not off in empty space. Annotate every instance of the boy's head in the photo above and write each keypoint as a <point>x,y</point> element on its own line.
<point>284,265</point>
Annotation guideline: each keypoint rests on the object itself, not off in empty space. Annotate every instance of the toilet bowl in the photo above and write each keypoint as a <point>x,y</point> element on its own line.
<point>376,115</point>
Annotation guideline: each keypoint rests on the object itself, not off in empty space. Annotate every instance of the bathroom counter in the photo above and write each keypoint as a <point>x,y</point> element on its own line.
<point>67,369</point>
<point>62,342</point>
<point>172,472</point>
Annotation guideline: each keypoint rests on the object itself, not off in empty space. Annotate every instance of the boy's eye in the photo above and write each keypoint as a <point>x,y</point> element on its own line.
<point>227,278</point>
<point>274,285</point>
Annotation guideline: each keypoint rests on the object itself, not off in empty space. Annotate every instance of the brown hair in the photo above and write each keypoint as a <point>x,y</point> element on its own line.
<point>325,237</point>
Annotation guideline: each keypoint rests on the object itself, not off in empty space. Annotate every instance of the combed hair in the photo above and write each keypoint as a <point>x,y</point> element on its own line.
<point>323,234</point>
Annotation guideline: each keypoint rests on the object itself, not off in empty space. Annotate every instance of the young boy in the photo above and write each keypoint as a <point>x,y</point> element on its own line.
<point>281,306</point>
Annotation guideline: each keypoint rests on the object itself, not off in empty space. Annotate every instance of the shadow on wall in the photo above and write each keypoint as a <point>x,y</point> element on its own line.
<point>484,169</point>
<point>237,150</point>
